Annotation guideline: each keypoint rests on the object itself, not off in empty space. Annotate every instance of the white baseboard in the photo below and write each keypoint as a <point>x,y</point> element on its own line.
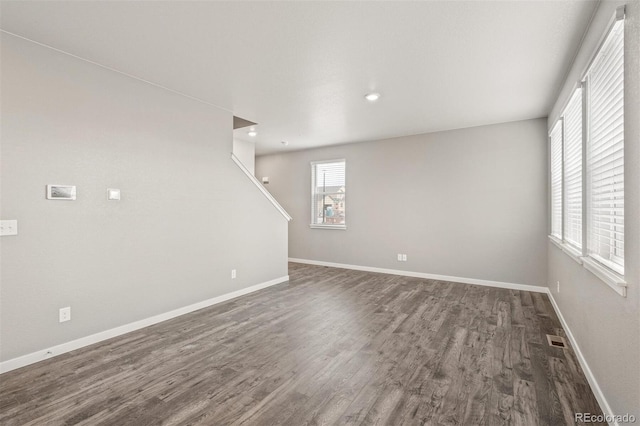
<point>604,405</point>
<point>47,353</point>
<point>500,284</point>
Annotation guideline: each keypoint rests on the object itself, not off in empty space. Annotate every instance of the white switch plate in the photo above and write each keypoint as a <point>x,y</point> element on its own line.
<point>8,227</point>
<point>113,194</point>
<point>233,273</point>
<point>404,257</point>
<point>399,257</point>
<point>65,314</point>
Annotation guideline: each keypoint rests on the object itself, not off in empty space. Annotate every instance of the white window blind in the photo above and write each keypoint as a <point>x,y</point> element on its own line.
<point>328,191</point>
<point>605,152</point>
<point>556,179</point>
<point>572,174</point>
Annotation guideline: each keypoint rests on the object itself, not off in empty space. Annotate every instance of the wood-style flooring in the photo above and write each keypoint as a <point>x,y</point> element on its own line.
<point>331,346</point>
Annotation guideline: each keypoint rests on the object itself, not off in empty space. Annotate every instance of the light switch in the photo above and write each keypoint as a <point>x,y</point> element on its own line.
<point>8,227</point>
<point>113,194</point>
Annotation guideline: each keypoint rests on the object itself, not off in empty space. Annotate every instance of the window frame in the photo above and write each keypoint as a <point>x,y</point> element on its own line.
<point>575,248</point>
<point>557,127</point>
<point>612,277</point>
<point>313,225</point>
<point>611,265</point>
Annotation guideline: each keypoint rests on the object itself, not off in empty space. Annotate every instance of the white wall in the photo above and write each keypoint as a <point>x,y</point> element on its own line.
<point>468,203</point>
<point>246,153</point>
<point>606,325</point>
<point>188,215</point>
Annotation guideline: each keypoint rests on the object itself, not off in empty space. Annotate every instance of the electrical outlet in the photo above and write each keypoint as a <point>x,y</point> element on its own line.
<point>8,227</point>
<point>399,257</point>
<point>558,286</point>
<point>233,274</point>
<point>65,314</point>
<point>404,257</point>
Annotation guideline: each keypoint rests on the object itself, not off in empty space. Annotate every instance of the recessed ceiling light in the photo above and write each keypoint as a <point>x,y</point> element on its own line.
<point>252,133</point>
<point>285,143</point>
<point>372,97</point>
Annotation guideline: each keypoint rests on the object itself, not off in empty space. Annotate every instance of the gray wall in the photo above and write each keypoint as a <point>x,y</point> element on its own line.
<point>246,153</point>
<point>468,203</point>
<point>188,215</point>
<point>605,325</point>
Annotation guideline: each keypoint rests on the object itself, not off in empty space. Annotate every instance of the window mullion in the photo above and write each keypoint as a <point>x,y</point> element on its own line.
<point>585,188</point>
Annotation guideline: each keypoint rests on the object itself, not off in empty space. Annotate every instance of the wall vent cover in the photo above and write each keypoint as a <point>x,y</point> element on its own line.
<point>556,341</point>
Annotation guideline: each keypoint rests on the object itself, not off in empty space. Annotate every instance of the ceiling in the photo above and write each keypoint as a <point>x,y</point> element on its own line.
<point>301,69</point>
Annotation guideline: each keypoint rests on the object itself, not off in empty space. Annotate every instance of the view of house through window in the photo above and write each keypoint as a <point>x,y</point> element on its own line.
<point>328,190</point>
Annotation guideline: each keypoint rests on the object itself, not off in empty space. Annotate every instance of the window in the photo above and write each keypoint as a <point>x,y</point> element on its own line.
<point>605,152</point>
<point>555,139</point>
<point>328,190</point>
<point>572,172</point>
<point>587,165</point>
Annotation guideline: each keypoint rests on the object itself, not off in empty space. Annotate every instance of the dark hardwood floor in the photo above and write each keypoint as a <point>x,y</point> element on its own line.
<point>331,346</point>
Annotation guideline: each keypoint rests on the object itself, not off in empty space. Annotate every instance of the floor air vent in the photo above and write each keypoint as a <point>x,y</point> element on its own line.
<point>556,341</point>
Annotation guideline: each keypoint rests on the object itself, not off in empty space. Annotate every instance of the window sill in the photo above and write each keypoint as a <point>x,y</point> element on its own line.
<point>573,253</point>
<point>336,227</point>
<point>556,241</point>
<point>612,279</point>
<point>609,277</point>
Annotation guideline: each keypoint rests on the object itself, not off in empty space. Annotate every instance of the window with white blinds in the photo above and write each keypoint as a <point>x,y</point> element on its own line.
<point>572,172</point>
<point>555,140</point>
<point>605,152</point>
<point>328,192</point>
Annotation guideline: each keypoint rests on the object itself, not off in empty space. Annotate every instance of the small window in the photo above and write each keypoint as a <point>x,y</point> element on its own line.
<point>555,140</point>
<point>328,191</point>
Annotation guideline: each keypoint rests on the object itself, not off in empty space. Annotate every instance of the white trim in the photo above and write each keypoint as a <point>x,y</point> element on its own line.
<point>608,276</point>
<point>555,240</point>
<point>337,160</point>
<point>46,353</point>
<point>500,284</point>
<point>319,226</point>
<point>314,193</point>
<point>261,187</point>
<point>618,14</point>
<point>573,253</point>
<point>613,280</point>
<point>595,388</point>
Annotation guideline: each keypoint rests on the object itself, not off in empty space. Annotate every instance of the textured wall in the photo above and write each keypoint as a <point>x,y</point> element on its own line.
<point>467,203</point>
<point>246,153</point>
<point>187,216</point>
